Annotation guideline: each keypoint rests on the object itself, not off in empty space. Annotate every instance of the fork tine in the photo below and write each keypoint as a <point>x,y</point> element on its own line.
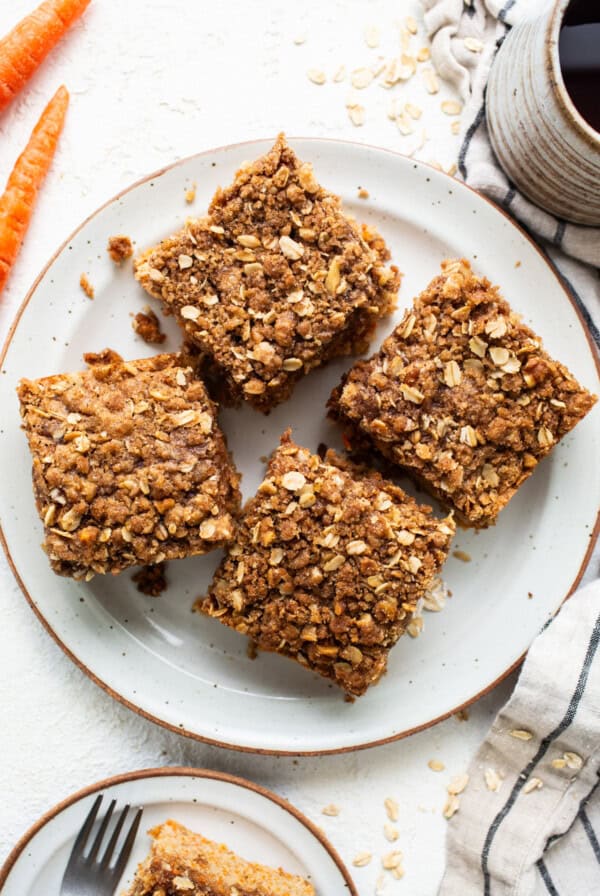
<point>101,832</point>
<point>82,836</point>
<point>127,846</point>
<point>108,853</point>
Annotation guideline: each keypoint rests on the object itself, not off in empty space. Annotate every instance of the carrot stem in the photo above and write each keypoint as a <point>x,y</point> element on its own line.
<point>27,45</point>
<point>18,201</point>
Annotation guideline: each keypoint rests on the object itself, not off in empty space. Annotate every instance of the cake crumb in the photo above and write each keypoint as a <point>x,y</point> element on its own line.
<point>86,286</point>
<point>462,555</point>
<point>462,715</point>
<point>517,264</point>
<point>190,194</point>
<point>151,579</point>
<point>251,650</point>
<point>119,248</point>
<point>362,193</point>
<point>147,325</point>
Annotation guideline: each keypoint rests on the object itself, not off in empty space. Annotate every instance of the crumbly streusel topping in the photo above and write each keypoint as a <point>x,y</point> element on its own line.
<point>328,565</point>
<point>462,395</point>
<point>129,465</point>
<point>275,281</point>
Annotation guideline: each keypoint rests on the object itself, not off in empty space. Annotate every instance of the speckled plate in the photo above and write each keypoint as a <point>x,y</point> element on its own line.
<point>250,820</point>
<point>192,674</point>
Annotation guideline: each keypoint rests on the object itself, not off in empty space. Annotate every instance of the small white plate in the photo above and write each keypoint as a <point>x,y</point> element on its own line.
<point>252,821</point>
<point>191,673</point>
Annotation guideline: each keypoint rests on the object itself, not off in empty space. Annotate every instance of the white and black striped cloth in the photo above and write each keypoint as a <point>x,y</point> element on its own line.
<point>538,833</point>
<point>524,839</point>
<point>573,249</point>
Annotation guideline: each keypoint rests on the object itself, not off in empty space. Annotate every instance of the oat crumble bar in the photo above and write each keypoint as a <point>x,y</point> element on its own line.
<point>129,465</point>
<point>328,565</point>
<point>183,863</point>
<point>462,396</point>
<point>276,280</point>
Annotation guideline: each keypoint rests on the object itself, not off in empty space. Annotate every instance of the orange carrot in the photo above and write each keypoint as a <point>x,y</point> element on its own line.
<point>27,45</point>
<point>16,205</point>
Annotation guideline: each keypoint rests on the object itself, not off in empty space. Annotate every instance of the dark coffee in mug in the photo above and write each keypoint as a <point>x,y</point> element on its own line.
<point>579,53</point>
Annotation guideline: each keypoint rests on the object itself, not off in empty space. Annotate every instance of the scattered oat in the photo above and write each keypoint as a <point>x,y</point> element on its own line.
<point>411,24</point>
<point>362,193</point>
<point>521,734</point>
<point>435,597</point>
<point>415,112</point>
<point>493,781</point>
<point>451,107</point>
<point>558,763</point>
<point>119,248</point>
<point>533,784</point>
<point>435,164</point>
<point>357,114</point>
<point>190,194</point>
<point>340,74</point>
<point>405,39</point>
<point>391,859</point>
<point>462,555</point>
<point>332,809</point>
<point>316,75</point>
<point>300,39</point>
<point>372,36</point>
<point>451,169</point>
<point>293,480</point>
<point>473,44</point>
<point>458,784</point>
<point>380,885</point>
<point>86,286</point>
<point>391,808</point>
<point>432,84</point>
<point>362,859</point>
<point>573,760</point>
<point>424,54</point>
<point>455,127</point>
<point>390,832</point>
<point>415,626</point>
<point>361,78</point>
<point>436,766</point>
<point>451,806</point>
<point>404,125</point>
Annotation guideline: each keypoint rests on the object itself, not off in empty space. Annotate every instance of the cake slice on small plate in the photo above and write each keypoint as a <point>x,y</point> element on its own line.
<point>182,863</point>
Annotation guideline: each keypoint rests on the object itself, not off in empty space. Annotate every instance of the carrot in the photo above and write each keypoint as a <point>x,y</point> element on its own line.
<point>27,45</point>
<point>18,200</point>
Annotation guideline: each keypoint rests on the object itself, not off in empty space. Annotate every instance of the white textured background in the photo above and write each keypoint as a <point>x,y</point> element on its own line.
<point>152,81</point>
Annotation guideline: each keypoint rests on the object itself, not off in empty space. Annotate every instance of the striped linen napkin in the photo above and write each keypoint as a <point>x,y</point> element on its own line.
<point>573,249</point>
<point>528,824</point>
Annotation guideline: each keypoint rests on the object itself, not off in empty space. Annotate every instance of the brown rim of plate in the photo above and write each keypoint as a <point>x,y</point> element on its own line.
<point>181,772</point>
<point>180,729</point>
<point>568,107</point>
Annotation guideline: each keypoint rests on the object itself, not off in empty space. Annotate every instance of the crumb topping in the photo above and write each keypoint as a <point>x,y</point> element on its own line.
<point>120,248</point>
<point>275,281</point>
<point>462,395</point>
<point>328,566</point>
<point>129,465</point>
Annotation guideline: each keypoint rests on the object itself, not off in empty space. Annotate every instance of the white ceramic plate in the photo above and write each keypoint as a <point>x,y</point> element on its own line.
<point>191,673</point>
<point>250,820</point>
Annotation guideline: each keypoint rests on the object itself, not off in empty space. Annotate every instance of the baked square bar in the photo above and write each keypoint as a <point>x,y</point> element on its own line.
<point>273,283</point>
<point>328,565</point>
<point>129,465</point>
<point>462,396</point>
<point>182,863</point>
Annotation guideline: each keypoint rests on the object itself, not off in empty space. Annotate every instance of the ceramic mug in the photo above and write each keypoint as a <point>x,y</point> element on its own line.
<point>544,144</point>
